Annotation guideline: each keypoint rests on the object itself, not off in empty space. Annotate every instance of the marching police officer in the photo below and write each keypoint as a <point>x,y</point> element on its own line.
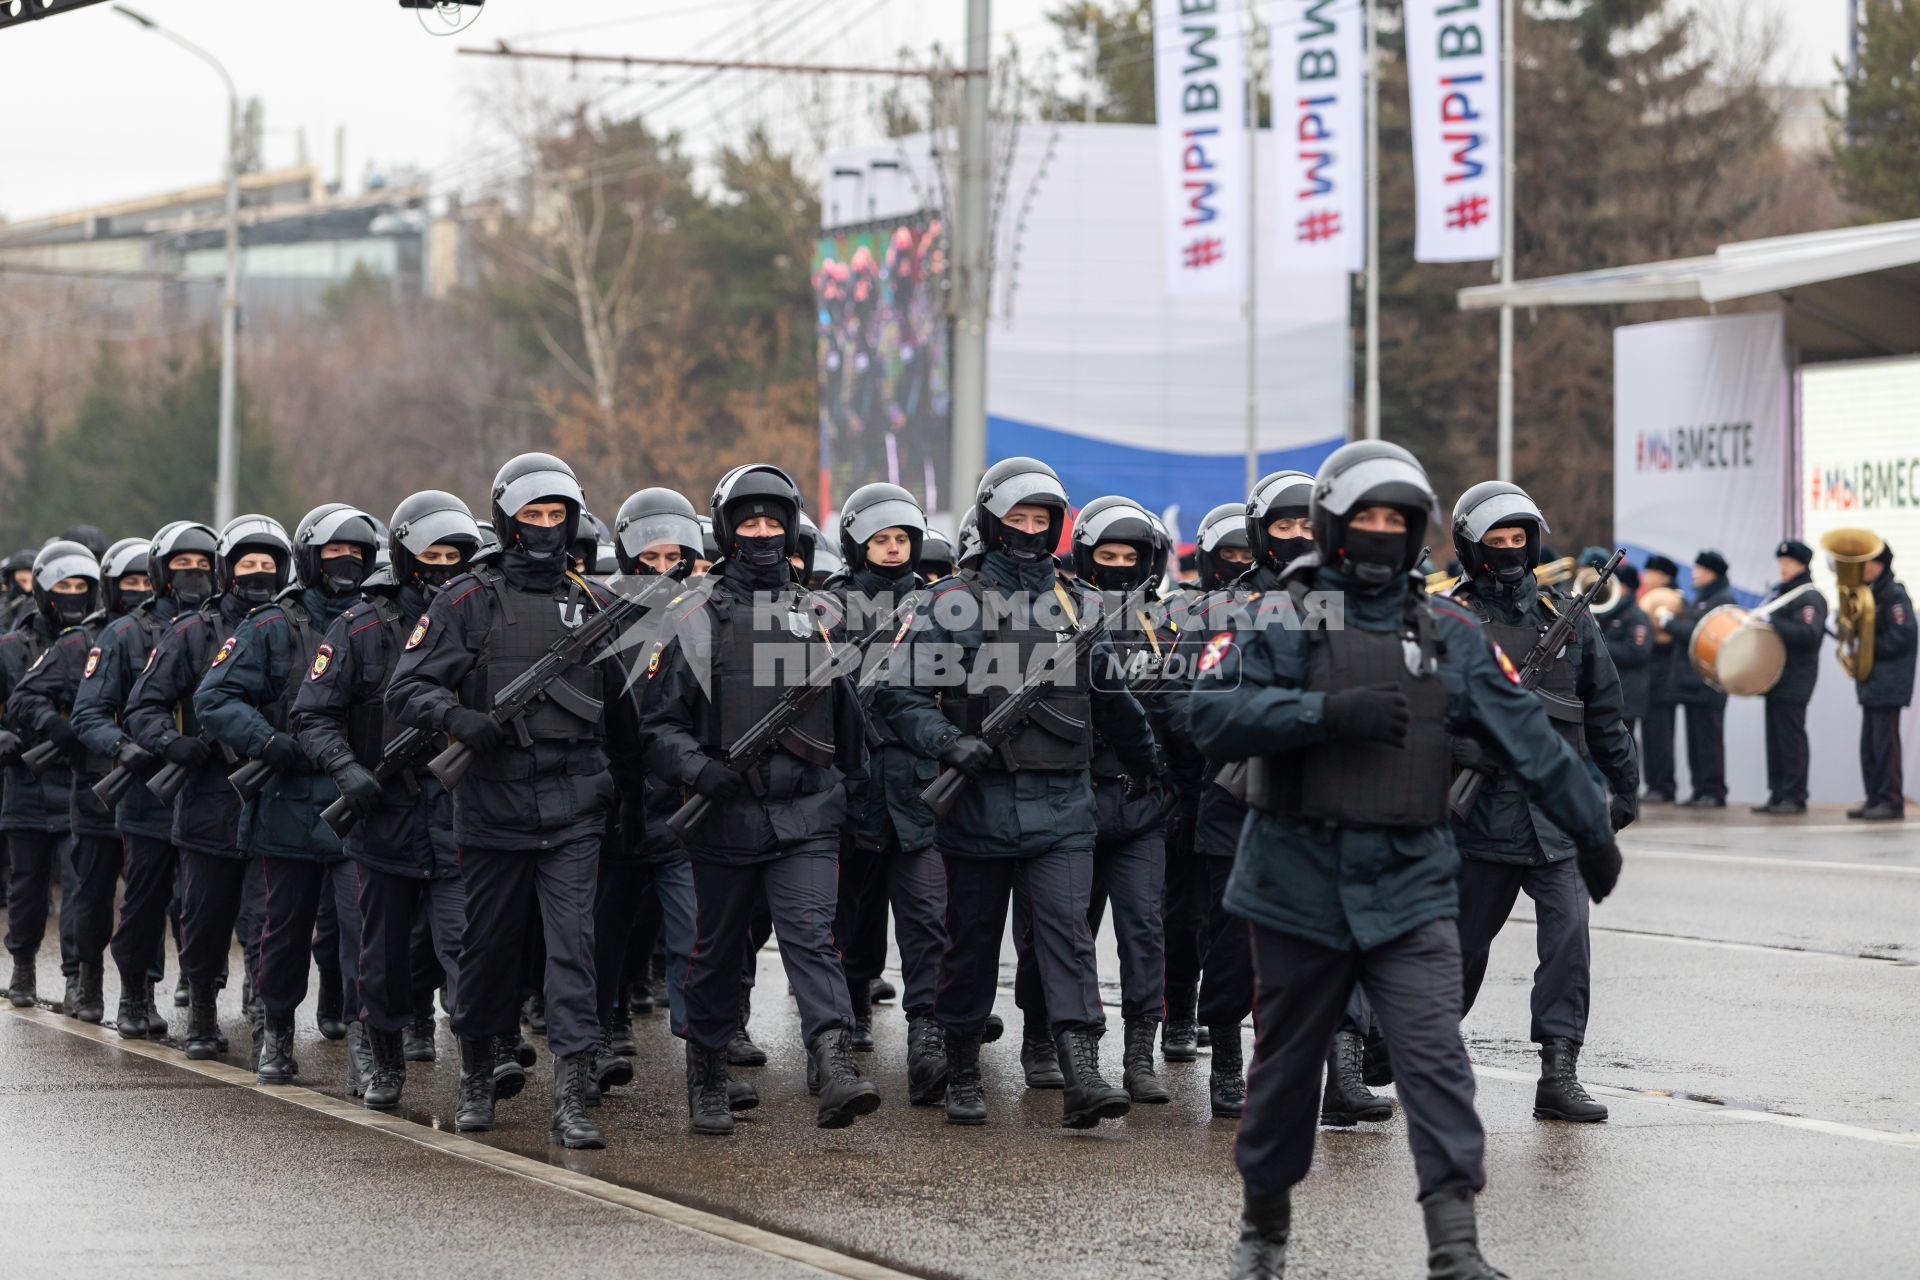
<point>1657,729</point>
<point>401,845</point>
<point>246,702</point>
<point>18,571</point>
<point>1024,823</point>
<point>66,588</point>
<point>180,576</point>
<point>1887,690</point>
<point>1801,624</point>
<point>530,814</point>
<point>252,560</point>
<point>771,836</point>
<point>1706,706</point>
<point>1508,846</point>
<point>936,556</point>
<point>1346,867</point>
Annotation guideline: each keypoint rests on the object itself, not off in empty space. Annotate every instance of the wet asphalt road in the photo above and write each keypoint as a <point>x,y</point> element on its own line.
<point>1754,1030</point>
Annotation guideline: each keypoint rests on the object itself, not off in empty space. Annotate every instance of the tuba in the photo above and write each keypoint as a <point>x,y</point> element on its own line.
<point>1605,605</point>
<point>1848,551</point>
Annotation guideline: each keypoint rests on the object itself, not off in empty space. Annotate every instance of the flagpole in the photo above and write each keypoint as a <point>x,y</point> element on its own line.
<point>1373,225</point>
<point>1253,258</point>
<point>1504,458</point>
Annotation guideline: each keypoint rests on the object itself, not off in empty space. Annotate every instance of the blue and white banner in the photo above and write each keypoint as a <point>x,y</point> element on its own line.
<point>1200,95</point>
<point>1453,90</point>
<point>1320,123</point>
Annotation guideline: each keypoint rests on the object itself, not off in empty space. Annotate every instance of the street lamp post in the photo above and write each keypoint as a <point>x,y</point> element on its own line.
<point>226,478</point>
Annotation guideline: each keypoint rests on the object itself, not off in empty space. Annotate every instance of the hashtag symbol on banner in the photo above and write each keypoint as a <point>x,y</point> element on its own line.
<point>1323,225</point>
<point>1469,211</point>
<point>1202,253</point>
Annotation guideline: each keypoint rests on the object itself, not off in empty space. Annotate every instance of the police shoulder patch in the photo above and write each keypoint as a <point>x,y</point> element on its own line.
<point>93,663</point>
<point>322,659</point>
<point>1216,649</point>
<point>1506,664</point>
<point>419,633</point>
<point>653,661</point>
<point>226,650</point>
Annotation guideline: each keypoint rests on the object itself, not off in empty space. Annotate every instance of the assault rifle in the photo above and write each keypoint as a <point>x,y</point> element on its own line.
<point>120,779</point>
<point>407,752</point>
<point>41,758</point>
<point>1466,788</point>
<point>167,781</point>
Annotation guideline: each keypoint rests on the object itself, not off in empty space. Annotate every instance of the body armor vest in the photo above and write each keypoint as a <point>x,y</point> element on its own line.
<point>200,647</point>
<point>303,641</point>
<point>1135,649</point>
<point>1057,737</point>
<point>741,691</point>
<point>369,727</point>
<point>525,626</point>
<point>1559,687</point>
<point>1348,783</point>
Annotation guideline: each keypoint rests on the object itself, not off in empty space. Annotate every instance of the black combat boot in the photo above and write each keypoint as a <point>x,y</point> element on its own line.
<point>418,1038</point>
<point>620,1031</point>
<point>509,1071</point>
<point>130,1018</point>
<point>276,1064</point>
<point>329,1010</point>
<point>966,1095</point>
<point>1203,1037</point>
<point>1560,1095</point>
<point>1261,1251</point>
<point>845,1094</point>
<point>1089,1098</point>
<point>638,1001</point>
<point>534,1013</point>
<point>1137,1073</point>
<point>156,1025</point>
<point>389,1075</point>
<point>519,1048</point>
<point>1376,1067</point>
<point>862,1016</point>
<point>474,1112</point>
<point>70,997</point>
<point>1179,1035</point>
<point>570,1127</point>
<point>610,1070</point>
<point>1040,1062</point>
<point>1347,1101</point>
<point>359,1060</point>
<point>1227,1079</point>
<point>880,991</point>
<point>203,1025</point>
<point>926,1062</point>
<point>182,992</point>
<point>1453,1238</point>
<point>707,1103</point>
<point>92,1005</point>
<point>741,1050</point>
<point>993,1030</point>
<point>741,1095</point>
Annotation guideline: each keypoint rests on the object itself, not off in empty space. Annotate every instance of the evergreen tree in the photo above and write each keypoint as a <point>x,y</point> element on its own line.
<point>1878,159</point>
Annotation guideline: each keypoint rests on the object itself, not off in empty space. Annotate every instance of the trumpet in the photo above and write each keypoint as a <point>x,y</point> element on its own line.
<point>1848,551</point>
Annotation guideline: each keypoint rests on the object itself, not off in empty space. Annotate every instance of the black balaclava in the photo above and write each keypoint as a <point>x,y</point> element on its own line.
<point>1115,577</point>
<point>432,578</point>
<point>70,607</point>
<point>256,588</point>
<point>131,599</point>
<point>535,557</point>
<point>342,575</point>
<point>1504,571</point>
<point>1371,557</point>
<point>191,587</point>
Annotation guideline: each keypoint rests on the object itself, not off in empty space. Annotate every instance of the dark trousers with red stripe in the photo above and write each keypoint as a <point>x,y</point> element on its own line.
<point>34,858</point>
<point>88,895</point>
<point>151,867</point>
<point>1707,748</point>
<point>212,889</point>
<point>502,884</point>
<point>1881,767</point>
<point>1787,755</point>
<point>388,906</point>
<point>1656,746</point>
<point>294,889</point>
<point>915,885</point>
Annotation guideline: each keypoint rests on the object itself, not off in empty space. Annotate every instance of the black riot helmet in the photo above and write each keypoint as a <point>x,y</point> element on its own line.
<point>244,535</point>
<point>1279,495</point>
<point>59,560</point>
<point>129,555</point>
<point>1162,549</point>
<point>1010,483</point>
<point>1222,528</point>
<point>1490,505</point>
<point>656,517</point>
<point>936,555</point>
<point>19,562</point>
<point>88,536</point>
<point>872,508</point>
<point>1113,519</point>
<point>758,489</point>
<point>709,545</point>
<point>425,519</point>
<point>587,537</point>
<point>967,549</point>
<point>1371,473</point>
<point>328,523</point>
<point>489,541</point>
<point>534,477</point>
<point>178,538</point>
<point>808,547</point>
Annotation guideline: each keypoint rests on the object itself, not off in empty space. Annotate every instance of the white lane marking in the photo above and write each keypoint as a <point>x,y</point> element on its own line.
<point>1779,828</point>
<point>1832,1128</point>
<point>757,1239</point>
<point>1774,949</point>
<point>1754,860</point>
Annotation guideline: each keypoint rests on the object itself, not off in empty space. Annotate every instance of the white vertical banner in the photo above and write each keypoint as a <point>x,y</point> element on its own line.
<point>1320,135</point>
<point>1200,97</point>
<point>1453,88</point>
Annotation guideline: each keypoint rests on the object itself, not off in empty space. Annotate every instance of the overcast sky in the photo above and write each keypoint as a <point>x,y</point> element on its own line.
<point>103,110</point>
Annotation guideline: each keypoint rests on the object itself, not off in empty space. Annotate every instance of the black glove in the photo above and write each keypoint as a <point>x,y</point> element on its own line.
<point>476,729</point>
<point>188,752</point>
<point>1467,753</point>
<point>1135,785</point>
<point>1372,713</point>
<point>717,782</point>
<point>1622,810</point>
<point>60,733</point>
<point>1600,868</point>
<point>968,754</point>
<point>283,753</point>
<point>358,787</point>
<point>131,755</point>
